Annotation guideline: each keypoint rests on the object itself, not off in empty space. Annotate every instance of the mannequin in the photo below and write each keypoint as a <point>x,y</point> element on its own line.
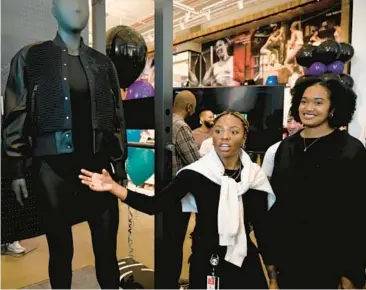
<point>63,110</point>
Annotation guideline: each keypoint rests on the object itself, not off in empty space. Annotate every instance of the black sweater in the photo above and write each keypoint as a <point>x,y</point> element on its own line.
<point>318,221</point>
<point>207,195</point>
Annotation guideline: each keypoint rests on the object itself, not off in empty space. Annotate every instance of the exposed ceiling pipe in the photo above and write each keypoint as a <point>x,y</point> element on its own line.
<point>212,6</point>
<point>201,17</point>
<point>184,7</point>
<point>151,18</point>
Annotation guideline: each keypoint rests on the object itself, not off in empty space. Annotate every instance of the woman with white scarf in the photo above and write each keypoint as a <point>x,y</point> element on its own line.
<point>231,195</point>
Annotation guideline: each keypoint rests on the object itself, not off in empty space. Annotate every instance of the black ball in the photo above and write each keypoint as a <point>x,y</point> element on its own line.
<point>328,51</point>
<point>347,80</point>
<point>302,79</point>
<point>128,50</point>
<point>306,56</point>
<point>330,76</point>
<point>346,53</point>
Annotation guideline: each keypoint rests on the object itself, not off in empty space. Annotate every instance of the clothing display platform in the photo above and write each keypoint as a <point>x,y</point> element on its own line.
<point>135,275</point>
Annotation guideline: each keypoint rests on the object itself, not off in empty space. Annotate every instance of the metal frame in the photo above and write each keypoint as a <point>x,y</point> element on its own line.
<point>99,25</point>
<point>144,145</point>
<point>163,119</point>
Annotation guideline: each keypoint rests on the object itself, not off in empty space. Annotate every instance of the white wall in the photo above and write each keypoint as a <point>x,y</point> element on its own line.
<point>358,68</point>
<point>24,22</point>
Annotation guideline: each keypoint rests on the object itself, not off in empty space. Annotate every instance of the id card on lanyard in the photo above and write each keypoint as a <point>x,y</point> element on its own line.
<point>213,280</point>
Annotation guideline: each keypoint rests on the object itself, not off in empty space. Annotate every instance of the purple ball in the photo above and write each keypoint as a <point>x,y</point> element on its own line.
<point>336,67</point>
<point>140,89</point>
<point>316,69</point>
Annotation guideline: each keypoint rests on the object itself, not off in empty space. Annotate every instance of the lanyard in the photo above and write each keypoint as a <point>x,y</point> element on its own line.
<point>213,280</point>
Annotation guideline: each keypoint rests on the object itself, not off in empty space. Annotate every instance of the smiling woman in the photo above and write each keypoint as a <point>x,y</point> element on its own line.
<point>318,178</point>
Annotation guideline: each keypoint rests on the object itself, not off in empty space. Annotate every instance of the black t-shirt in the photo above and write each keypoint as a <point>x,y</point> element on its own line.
<point>80,107</point>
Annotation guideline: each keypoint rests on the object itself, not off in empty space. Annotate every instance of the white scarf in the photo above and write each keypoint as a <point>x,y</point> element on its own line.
<point>231,210</point>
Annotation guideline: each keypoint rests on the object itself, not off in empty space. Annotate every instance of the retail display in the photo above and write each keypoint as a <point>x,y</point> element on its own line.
<point>63,109</point>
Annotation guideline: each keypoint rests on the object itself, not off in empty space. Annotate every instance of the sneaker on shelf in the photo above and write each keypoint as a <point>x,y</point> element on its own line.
<point>16,248</point>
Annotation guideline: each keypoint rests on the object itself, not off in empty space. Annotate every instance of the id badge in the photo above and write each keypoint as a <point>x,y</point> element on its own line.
<point>212,282</point>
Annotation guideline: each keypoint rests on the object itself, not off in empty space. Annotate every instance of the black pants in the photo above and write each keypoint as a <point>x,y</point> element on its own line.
<point>175,229</point>
<point>63,202</point>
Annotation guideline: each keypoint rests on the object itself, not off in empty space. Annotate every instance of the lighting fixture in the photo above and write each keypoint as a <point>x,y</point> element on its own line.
<point>187,16</point>
<point>240,4</point>
<point>181,26</point>
<point>208,15</point>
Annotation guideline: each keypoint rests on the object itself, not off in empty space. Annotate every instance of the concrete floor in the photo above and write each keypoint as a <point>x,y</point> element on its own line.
<point>18,272</point>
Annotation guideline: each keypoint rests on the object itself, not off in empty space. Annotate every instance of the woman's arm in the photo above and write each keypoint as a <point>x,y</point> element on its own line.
<point>171,194</point>
<point>208,76</point>
<point>354,213</point>
<point>257,212</point>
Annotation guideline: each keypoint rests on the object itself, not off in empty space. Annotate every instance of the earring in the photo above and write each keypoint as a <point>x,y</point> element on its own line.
<point>331,115</point>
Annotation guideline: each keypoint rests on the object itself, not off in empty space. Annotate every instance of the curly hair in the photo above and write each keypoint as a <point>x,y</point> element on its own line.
<point>342,100</point>
<point>238,115</point>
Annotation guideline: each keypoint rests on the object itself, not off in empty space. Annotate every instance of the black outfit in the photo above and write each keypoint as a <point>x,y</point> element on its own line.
<point>73,137</point>
<point>317,223</point>
<point>205,240</point>
<point>38,120</point>
<point>175,229</point>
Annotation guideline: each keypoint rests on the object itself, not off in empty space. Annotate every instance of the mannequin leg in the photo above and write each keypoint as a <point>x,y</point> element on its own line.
<point>104,230</point>
<point>50,195</point>
<point>60,246</point>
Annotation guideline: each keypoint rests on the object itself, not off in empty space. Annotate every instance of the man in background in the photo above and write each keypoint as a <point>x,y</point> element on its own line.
<point>185,153</point>
<point>268,161</point>
<point>205,131</point>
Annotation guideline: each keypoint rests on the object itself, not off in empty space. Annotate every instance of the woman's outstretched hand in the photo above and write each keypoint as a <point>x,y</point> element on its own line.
<point>97,181</point>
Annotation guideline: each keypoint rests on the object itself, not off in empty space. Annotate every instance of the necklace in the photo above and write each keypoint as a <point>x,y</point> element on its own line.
<point>306,147</point>
<point>236,173</point>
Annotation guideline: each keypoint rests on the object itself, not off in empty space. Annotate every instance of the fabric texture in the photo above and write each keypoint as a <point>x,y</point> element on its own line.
<point>206,146</point>
<point>186,151</point>
<point>268,160</point>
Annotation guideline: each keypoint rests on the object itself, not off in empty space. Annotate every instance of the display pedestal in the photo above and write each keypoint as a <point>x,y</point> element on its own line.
<point>135,275</point>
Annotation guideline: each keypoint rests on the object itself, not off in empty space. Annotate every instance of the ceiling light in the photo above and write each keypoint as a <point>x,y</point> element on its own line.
<point>182,26</point>
<point>187,16</point>
<point>240,4</point>
<point>208,15</point>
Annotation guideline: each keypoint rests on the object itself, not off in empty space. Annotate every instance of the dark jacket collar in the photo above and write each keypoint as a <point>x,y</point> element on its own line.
<point>59,42</point>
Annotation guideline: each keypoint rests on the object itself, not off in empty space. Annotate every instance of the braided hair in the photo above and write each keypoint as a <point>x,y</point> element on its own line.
<point>243,121</point>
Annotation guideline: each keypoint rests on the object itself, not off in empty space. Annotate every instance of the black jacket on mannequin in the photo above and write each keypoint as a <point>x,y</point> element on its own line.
<point>37,111</point>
